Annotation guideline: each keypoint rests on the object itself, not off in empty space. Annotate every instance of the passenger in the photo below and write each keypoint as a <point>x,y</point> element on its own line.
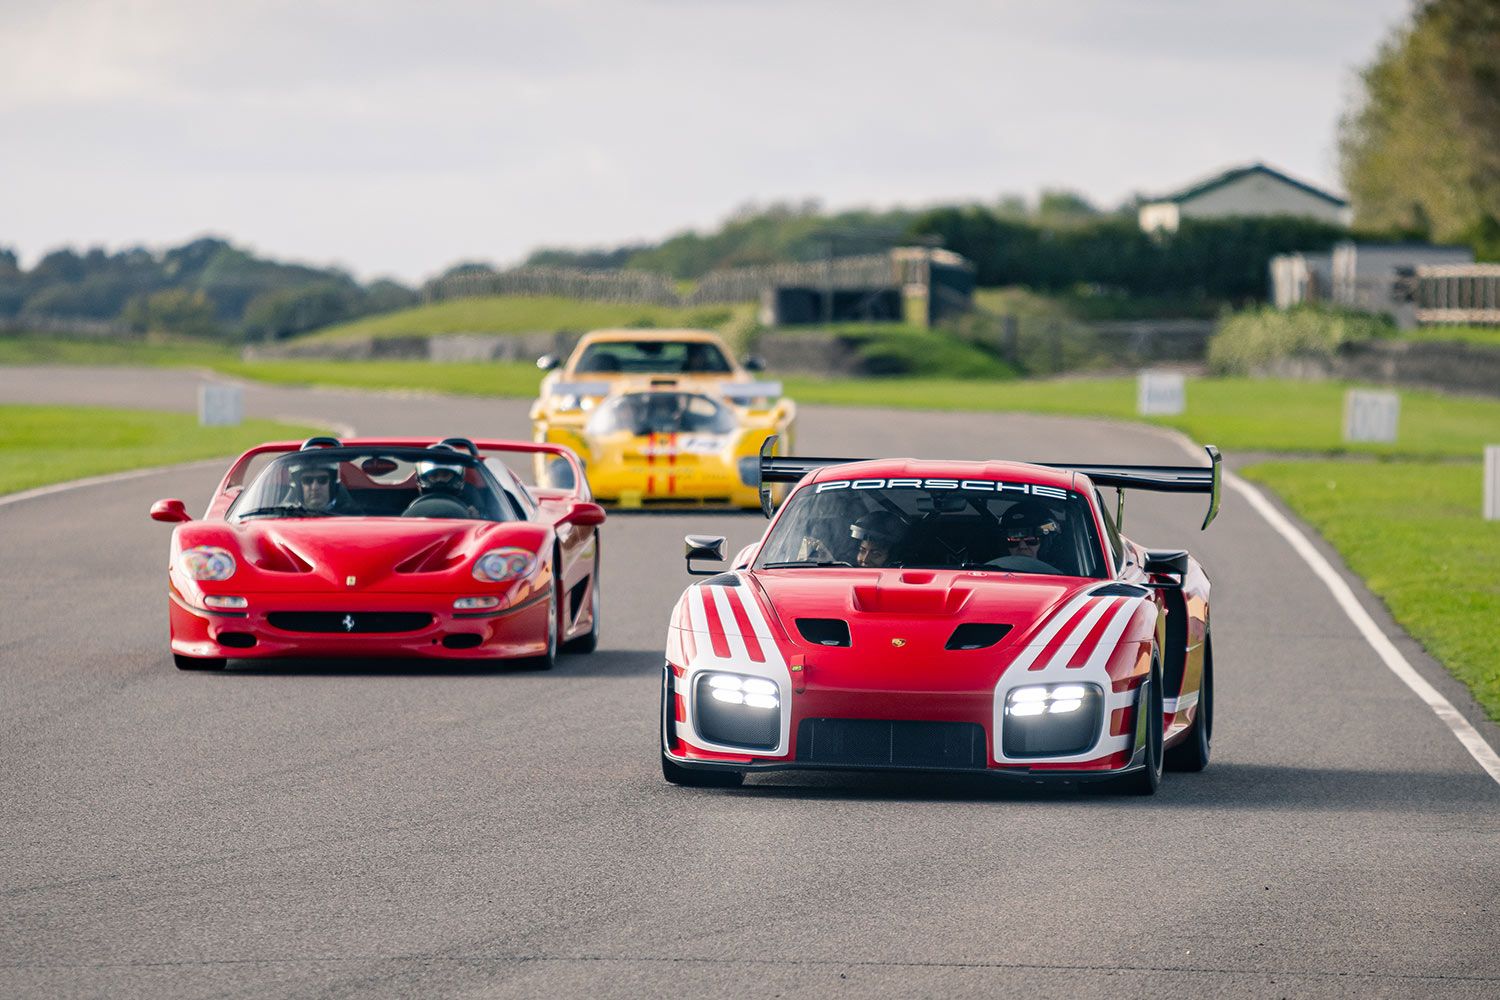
<point>878,533</point>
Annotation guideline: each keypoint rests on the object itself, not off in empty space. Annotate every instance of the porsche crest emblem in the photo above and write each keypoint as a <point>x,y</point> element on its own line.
<point>898,643</point>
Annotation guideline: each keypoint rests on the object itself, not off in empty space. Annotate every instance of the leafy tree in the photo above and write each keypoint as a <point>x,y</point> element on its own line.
<point>1421,151</point>
<point>287,312</point>
<point>175,310</point>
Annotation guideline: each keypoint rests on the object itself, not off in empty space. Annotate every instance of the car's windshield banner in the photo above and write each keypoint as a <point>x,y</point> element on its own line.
<point>975,485</point>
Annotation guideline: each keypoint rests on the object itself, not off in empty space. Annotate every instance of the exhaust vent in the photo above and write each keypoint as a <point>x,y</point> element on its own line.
<point>824,631</point>
<point>976,635</point>
<point>236,640</point>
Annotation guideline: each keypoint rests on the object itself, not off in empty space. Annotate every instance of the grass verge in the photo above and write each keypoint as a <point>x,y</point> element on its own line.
<point>41,445</point>
<point>530,314</point>
<point>1414,533</point>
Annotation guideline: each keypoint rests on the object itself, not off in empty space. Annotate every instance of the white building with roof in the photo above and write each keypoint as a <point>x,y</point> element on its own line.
<point>1254,190</point>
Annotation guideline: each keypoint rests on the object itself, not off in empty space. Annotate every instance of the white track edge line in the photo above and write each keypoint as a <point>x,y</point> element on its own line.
<point>1461,727</point>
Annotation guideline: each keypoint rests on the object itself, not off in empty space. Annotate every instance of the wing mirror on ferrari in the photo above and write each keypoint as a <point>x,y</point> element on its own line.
<point>547,362</point>
<point>583,514</point>
<point>171,511</point>
<point>704,547</point>
<point>755,363</point>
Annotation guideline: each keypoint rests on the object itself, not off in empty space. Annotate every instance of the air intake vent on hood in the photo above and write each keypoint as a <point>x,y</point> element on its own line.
<point>1120,590</point>
<point>976,635</point>
<point>824,631</point>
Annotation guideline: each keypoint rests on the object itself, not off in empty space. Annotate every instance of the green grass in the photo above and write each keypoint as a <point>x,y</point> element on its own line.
<point>1483,336</point>
<point>51,349</point>
<point>1414,532</point>
<point>531,314</point>
<point>1235,414</point>
<point>40,445</point>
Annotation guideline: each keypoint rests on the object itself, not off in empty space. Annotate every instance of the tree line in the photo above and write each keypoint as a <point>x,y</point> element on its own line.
<point>204,288</point>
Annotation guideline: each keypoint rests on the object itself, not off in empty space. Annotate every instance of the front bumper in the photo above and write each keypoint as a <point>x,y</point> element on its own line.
<point>516,630</point>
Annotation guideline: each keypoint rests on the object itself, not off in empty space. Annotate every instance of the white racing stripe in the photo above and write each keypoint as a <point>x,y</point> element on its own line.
<point>1384,648</point>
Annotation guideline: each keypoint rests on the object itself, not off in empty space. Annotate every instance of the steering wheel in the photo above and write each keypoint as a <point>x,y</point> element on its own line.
<point>433,505</point>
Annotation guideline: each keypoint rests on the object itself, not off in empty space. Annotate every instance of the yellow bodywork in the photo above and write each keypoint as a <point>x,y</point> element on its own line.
<point>685,467</point>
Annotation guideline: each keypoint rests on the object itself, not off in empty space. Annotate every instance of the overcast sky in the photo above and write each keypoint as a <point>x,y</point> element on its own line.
<point>395,138</point>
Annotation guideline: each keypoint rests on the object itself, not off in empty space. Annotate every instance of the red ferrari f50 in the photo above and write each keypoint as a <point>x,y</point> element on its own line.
<point>390,547</point>
<point>979,617</point>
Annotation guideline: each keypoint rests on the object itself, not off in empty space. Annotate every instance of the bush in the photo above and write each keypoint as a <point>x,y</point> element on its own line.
<point>1249,340</point>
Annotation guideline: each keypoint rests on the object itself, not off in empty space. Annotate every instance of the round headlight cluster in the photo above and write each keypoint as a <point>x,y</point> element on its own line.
<point>206,563</point>
<point>502,565</point>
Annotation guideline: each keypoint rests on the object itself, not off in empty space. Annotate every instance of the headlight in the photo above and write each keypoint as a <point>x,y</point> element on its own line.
<point>736,710</point>
<point>502,565</point>
<point>220,601</point>
<point>1043,720</point>
<point>206,563</point>
<point>475,603</point>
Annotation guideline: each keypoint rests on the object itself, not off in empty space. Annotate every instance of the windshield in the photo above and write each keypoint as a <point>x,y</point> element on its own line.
<point>669,357</point>
<point>374,482</point>
<point>937,524</point>
<point>661,413</point>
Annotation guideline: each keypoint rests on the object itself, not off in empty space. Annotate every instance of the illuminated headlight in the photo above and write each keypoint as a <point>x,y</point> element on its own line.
<point>1052,719</point>
<point>756,692</point>
<point>475,603</point>
<point>735,710</point>
<point>206,563</point>
<point>221,601</point>
<point>502,565</point>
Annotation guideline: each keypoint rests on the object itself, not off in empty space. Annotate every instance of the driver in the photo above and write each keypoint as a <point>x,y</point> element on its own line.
<point>444,477</point>
<point>1025,527</point>
<point>878,534</point>
<point>316,486</point>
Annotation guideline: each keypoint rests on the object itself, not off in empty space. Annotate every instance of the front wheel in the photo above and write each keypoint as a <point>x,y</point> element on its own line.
<point>547,660</point>
<point>198,662</point>
<point>1148,779</point>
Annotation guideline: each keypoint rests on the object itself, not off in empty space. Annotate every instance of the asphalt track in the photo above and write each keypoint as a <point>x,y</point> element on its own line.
<point>314,830</point>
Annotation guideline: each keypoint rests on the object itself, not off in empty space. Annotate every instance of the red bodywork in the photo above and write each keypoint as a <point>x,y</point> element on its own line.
<point>1102,631</point>
<point>361,566</point>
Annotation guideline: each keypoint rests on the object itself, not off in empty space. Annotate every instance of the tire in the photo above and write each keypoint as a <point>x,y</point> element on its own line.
<point>589,642</point>
<point>686,776</point>
<point>1192,753</point>
<point>1148,779</point>
<point>547,660</point>
<point>691,778</point>
<point>198,662</point>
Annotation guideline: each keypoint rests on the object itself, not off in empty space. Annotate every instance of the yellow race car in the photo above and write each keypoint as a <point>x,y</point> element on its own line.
<point>662,416</point>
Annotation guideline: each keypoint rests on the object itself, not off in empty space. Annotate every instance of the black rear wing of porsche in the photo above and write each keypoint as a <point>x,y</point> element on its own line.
<point>1156,478</point>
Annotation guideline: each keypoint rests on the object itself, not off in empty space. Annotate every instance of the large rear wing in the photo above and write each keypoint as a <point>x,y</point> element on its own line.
<point>1157,478</point>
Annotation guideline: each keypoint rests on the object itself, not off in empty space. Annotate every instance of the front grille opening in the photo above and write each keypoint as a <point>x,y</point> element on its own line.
<point>462,640</point>
<point>976,635</point>
<point>882,743</point>
<point>734,725</point>
<point>824,631</point>
<point>236,640</point>
<point>349,622</point>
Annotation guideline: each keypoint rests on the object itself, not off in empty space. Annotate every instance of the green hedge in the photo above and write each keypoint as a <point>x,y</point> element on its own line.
<point>1248,340</point>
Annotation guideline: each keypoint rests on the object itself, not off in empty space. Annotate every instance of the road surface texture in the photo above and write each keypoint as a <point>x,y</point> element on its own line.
<point>388,829</point>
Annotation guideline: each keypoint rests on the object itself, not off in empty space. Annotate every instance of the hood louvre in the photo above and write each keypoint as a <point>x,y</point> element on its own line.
<point>824,631</point>
<point>976,635</point>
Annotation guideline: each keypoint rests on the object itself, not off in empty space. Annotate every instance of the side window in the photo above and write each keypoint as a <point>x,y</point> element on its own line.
<point>1111,532</point>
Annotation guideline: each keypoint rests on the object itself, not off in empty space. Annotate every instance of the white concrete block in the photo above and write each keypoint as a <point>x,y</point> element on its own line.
<point>1161,394</point>
<point>1371,416</point>
<point>220,405</point>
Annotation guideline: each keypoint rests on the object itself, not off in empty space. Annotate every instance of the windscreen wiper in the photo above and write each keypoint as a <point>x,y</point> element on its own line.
<point>798,563</point>
<point>286,510</point>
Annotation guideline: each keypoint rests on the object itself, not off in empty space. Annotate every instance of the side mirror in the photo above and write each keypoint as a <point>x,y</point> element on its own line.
<point>584,514</point>
<point>547,362</point>
<point>755,363</point>
<point>170,511</point>
<point>1170,563</point>
<point>704,547</point>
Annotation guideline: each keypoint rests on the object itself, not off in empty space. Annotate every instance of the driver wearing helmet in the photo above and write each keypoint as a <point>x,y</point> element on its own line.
<point>878,533</point>
<point>316,487</point>
<point>1026,527</point>
<point>441,476</point>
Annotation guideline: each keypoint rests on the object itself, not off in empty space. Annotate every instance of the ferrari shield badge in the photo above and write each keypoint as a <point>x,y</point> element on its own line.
<point>348,581</point>
<point>898,643</point>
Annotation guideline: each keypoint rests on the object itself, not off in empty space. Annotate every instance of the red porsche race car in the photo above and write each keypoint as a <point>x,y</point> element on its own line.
<point>974,617</point>
<point>390,547</point>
